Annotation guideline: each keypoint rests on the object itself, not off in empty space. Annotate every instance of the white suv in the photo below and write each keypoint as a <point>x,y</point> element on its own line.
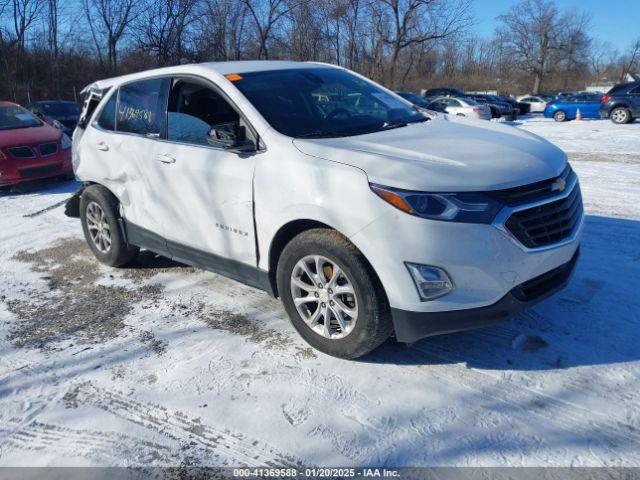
<point>367,217</point>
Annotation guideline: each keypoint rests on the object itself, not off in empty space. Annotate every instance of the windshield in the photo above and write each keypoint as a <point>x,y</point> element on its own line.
<point>17,117</point>
<point>58,109</point>
<point>324,102</point>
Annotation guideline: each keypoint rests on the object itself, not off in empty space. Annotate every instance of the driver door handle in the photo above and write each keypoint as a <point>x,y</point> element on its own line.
<point>102,146</point>
<point>164,158</point>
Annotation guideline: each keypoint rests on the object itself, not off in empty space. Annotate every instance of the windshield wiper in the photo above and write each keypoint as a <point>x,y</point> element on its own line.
<point>329,134</point>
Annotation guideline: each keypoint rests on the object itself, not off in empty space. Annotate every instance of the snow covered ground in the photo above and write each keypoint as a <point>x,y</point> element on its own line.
<point>588,139</point>
<point>161,364</point>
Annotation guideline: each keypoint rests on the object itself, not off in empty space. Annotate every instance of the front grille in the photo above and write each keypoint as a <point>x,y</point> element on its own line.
<point>549,223</point>
<point>546,283</point>
<point>21,152</point>
<point>48,149</point>
<point>533,192</point>
<point>37,171</point>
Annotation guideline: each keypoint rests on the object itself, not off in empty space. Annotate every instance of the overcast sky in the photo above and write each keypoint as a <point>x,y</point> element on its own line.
<point>616,21</point>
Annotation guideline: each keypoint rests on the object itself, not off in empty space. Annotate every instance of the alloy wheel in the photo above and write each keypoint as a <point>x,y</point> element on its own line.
<point>619,116</point>
<point>98,227</point>
<point>324,296</point>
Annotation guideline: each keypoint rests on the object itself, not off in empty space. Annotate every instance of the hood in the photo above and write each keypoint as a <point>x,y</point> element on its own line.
<point>29,136</point>
<point>445,155</point>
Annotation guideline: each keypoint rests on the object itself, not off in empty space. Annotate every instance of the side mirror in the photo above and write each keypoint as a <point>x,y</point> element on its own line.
<point>230,136</point>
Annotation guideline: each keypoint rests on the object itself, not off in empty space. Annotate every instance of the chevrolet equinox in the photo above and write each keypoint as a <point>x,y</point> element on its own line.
<point>366,216</point>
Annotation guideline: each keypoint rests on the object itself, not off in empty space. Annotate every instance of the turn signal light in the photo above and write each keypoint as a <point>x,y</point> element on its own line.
<point>393,198</point>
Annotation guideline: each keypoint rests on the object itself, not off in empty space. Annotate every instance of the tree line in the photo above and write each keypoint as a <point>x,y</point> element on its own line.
<point>53,48</point>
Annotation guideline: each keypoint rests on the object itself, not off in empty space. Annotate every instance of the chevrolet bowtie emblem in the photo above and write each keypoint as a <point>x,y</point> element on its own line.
<point>559,185</point>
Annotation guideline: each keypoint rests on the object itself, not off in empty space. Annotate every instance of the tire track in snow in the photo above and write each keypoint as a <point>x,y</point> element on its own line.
<point>230,448</point>
<point>110,446</point>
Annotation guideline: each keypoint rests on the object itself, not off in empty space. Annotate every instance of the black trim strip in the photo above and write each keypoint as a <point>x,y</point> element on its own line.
<point>233,269</point>
<point>411,326</point>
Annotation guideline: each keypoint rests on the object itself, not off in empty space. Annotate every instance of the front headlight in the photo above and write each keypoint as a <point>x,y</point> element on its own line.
<point>65,142</point>
<point>466,207</point>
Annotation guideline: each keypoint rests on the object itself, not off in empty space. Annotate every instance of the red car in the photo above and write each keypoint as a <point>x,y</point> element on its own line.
<point>30,149</point>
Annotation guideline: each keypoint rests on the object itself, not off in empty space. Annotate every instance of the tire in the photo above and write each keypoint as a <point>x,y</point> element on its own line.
<point>372,324</point>
<point>98,203</point>
<point>620,115</point>
<point>560,116</point>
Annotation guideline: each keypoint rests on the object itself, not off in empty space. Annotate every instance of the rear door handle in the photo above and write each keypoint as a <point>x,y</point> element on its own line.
<point>164,158</point>
<point>102,146</point>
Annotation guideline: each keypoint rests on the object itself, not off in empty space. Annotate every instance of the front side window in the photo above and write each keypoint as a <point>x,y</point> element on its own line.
<point>324,102</point>
<point>141,106</point>
<point>194,110</point>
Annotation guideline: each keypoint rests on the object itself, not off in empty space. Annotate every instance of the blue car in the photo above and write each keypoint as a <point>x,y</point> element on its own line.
<point>567,108</point>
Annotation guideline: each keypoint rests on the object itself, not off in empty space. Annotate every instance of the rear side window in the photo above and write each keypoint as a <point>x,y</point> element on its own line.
<point>107,118</point>
<point>141,106</point>
<point>90,102</point>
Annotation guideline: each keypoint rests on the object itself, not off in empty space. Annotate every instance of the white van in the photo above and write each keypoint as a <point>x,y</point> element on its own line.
<point>367,217</point>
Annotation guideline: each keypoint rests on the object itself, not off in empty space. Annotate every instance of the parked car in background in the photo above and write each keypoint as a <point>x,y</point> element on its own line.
<point>30,149</point>
<point>365,225</point>
<point>417,100</point>
<point>63,112</point>
<point>519,107</point>
<point>433,93</point>
<point>461,106</point>
<point>499,108</point>
<point>622,103</point>
<point>536,104</point>
<point>567,108</point>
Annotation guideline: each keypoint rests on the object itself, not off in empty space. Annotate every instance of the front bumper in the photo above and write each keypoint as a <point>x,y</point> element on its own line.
<point>14,171</point>
<point>411,326</point>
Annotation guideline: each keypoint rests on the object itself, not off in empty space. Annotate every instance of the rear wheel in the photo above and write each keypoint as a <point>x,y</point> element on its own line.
<point>99,217</point>
<point>333,297</point>
<point>620,115</point>
<point>560,116</point>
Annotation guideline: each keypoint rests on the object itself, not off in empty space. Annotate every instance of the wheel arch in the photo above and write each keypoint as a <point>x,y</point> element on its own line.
<point>293,228</point>
<point>118,212</point>
<point>620,105</point>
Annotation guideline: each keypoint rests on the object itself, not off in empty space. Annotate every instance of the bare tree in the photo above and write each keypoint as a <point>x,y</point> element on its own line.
<point>161,29</point>
<point>221,30</point>
<point>415,22</point>
<point>25,12</point>
<point>631,61</point>
<point>266,15</point>
<point>108,22</point>
<point>601,55</point>
<point>530,32</point>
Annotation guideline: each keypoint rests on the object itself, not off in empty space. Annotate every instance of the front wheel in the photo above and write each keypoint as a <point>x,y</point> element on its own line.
<point>334,299</point>
<point>620,115</point>
<point>560,116</point>
<point>99,217</point>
